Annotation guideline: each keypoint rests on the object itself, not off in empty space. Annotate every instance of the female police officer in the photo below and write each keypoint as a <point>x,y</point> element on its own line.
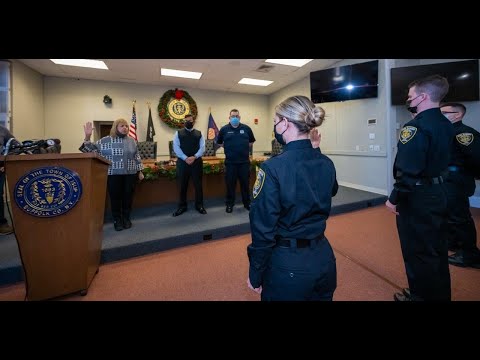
<point>290,257</point>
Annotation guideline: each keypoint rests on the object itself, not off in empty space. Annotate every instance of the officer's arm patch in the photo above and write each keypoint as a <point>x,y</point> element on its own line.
<point>258,183</point>
<point>407,134</point>
<point>465,138</point>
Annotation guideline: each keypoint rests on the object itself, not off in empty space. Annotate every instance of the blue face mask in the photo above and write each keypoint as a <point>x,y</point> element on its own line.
<point>234,121</point>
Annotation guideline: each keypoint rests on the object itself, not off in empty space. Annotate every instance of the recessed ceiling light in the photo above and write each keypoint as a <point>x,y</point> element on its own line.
<point>291,62</point>
<point>181,73</point>
<point>248,81</point>
<point>95,64</point>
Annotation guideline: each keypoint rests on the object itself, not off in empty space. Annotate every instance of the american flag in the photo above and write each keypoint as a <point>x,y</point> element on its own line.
<point>133,126</point>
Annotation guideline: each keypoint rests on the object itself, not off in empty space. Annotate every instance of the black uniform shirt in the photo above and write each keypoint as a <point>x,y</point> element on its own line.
<point>291,198</point>
<point>466,149</point>
<point>236,143</point>
<point>424,149</point>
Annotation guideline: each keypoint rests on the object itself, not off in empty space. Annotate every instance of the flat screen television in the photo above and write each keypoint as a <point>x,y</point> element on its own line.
<point>462,76</point>
<point>348,82</point>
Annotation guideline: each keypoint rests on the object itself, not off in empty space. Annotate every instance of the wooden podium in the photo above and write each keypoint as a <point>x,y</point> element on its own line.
<point>60,254</point>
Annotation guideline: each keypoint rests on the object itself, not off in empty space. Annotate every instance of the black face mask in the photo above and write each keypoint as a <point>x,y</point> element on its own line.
<point>188,125</point>
<point>278,136</point>
<point>412,109</point>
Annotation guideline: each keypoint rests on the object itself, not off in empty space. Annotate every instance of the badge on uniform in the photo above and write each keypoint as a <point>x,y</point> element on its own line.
<point>242,131</point>
<point>407,133</point>
<point>258,183</point>
<point>465,138</point>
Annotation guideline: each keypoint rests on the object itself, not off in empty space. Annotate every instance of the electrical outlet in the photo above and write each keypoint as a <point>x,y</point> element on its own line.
<point>371,147</point>
<point>371,136</point>
<point>376,148</point>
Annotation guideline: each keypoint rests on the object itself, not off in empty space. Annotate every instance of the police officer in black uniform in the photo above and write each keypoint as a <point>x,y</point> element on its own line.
<point>419,195</point>
<point>236,139</point>
<point>189,146</point>
<point>290,257</point>
<point>463,167</point>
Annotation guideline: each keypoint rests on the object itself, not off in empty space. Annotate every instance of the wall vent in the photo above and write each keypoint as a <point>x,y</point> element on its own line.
<point>265,68</point>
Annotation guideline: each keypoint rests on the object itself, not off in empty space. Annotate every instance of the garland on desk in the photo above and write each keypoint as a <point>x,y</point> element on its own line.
<point>174,105</point>
<point>161,169</point>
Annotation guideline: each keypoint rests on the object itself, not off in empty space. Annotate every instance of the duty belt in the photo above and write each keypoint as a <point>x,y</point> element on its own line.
<point>430,181</point>
<point>301,243</point>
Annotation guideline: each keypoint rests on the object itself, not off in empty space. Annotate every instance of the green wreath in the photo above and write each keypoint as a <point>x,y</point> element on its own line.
<point>165,113</point>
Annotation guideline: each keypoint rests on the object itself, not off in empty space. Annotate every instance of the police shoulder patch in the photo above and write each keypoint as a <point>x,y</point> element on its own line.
<point>465,138</point>
<point>407,133</point>
<point>258,183</point>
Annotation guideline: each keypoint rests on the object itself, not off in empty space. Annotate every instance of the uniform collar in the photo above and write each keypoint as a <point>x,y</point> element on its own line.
<point>235,128</point>
<point>457,124</point>
<point>428,112</point>
<point>298,144</point>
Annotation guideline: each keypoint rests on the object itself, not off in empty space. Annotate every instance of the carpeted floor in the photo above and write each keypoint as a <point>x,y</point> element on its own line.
<point>369,266</point>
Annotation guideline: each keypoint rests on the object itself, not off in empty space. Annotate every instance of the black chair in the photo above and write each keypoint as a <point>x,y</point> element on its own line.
<point>210,148</point>
<point>170,150</point>
<point>147,149</point>
<point>277,148</point>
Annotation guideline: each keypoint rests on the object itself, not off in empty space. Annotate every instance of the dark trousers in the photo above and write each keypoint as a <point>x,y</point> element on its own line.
<point>2,203</point>
<point>120,190</point>
<point>242,173</point>
<point>422,228</point>
<point>184,172</point>
<point>461,227</point>
<point>301,274</point>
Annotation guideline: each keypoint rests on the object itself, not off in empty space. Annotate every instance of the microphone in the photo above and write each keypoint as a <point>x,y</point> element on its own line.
<point>12,143</point>
<point>13,147</point>
<point>53,146</point>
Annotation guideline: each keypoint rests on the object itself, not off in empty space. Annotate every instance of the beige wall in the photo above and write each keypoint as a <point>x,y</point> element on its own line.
<point>69,103</point>
<point>28,121</point>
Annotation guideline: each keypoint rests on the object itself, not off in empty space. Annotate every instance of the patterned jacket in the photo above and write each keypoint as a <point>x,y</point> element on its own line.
<point>121,152</point>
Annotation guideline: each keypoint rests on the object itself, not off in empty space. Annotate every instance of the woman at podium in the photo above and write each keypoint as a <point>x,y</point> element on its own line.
<point>126,166</point>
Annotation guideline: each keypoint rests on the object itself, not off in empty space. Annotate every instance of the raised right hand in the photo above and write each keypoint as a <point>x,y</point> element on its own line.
<point>88,128</point>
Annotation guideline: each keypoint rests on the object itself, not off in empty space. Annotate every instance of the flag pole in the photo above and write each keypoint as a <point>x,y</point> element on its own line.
<point>209,109</point>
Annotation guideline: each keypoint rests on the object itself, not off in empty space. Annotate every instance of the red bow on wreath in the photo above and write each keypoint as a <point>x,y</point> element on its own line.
<point>178,94</point>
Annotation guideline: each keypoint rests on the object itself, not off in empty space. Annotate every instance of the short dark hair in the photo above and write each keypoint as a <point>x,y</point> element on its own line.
<point>435,86</point>
<point>188,115</point>
<point>233,110</point>
<point>459,106</point>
